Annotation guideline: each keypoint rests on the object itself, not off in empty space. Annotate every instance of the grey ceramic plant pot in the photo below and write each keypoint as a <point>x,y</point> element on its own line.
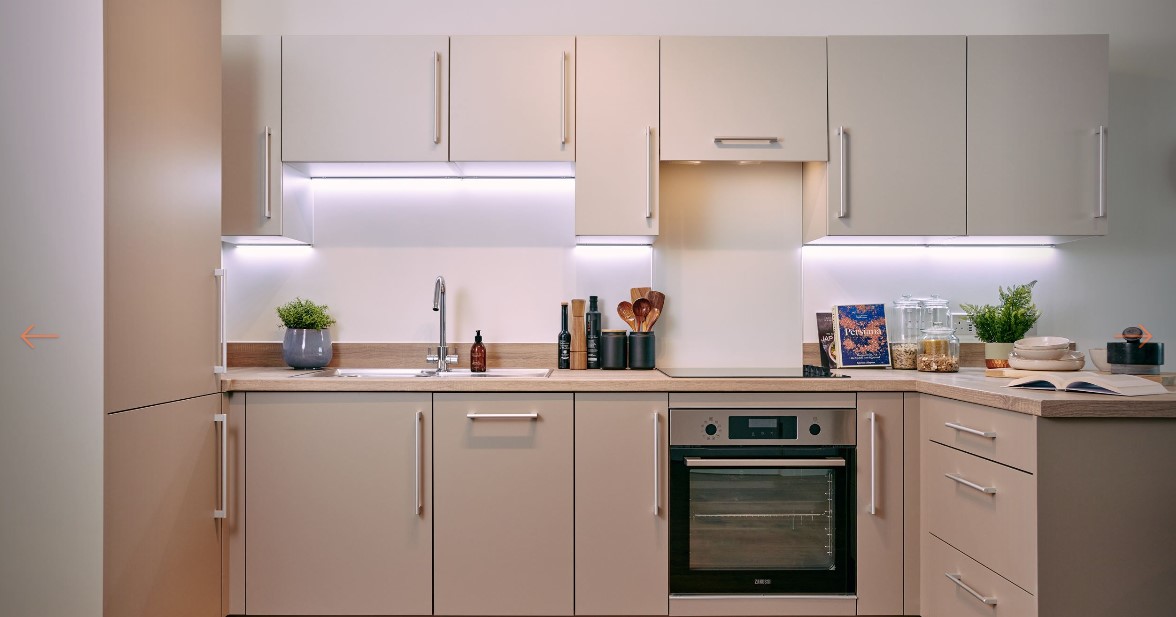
<point>302,348</point>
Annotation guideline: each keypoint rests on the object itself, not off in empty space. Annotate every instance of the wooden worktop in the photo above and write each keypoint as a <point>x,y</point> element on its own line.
<point>968,385</point>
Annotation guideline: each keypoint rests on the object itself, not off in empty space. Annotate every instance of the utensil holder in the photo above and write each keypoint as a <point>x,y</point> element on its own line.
<point>641,350</point>
<point>614,349</point>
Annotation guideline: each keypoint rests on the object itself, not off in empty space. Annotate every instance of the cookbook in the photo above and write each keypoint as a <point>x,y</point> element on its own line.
<point>1094,383</point>
<point>860,335</point>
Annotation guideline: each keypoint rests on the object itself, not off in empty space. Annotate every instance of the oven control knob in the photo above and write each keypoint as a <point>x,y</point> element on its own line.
<point>711,429</point>
<point>814,429</point>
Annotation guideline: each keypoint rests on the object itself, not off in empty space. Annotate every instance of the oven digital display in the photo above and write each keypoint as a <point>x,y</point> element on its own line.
<point>762,427</point>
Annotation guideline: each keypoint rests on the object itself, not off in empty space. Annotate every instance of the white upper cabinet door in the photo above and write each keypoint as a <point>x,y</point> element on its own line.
<point>365,98</point>
<point>768,93</point>
<point>617,153</point>
<point>514,98</point>
<point>1037,117</point>
<point>896,136</point>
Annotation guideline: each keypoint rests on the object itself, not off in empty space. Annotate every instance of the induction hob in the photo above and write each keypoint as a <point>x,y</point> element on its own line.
<point>807,370</point>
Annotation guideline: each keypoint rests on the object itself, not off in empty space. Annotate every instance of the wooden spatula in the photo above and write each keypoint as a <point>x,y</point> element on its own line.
<point>637,292</point>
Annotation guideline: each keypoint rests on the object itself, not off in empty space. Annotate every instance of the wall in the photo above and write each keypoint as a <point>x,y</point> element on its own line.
<point>51,256</point>
<point>1089,289</point>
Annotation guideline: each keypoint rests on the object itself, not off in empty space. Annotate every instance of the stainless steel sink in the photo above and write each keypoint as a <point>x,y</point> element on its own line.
<point>397,373</point>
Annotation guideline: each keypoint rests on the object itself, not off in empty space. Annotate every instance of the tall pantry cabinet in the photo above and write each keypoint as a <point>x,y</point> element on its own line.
<point>162,227</point>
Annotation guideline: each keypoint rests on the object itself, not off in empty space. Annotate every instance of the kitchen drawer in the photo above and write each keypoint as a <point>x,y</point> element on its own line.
<point>998,529</point>
<point>1009,437</point>
<point>943,597</point>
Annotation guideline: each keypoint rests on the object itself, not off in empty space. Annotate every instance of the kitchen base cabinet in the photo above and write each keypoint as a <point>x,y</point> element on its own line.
<point>162,543</point>
<point>337,502</point>
<point>622,526</point>
<point>503,498</point>
<point>880,503</point>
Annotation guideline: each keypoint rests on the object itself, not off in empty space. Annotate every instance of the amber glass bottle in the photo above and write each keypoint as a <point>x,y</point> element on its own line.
<point>478,354</point>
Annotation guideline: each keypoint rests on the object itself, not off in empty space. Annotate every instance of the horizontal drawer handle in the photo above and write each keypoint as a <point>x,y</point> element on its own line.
<point>987,490</point>
<point>968,429</point>
<point>473,415</point>
<point>747,140</point>
<point>764,462</point>
<point>958,580</point>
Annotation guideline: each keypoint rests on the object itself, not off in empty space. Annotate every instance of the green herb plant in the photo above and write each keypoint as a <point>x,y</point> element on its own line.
<point>304,314</point>
<point>1010,320</point>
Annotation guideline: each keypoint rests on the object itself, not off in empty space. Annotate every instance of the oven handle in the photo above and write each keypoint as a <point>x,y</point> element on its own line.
<point>692,461</point>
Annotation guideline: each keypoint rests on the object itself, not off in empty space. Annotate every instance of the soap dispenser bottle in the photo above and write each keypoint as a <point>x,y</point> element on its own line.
<point>478,354</point>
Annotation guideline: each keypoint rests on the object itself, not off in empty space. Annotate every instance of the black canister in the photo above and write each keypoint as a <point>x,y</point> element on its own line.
<point>614,349</point>
<point>641,350</point>
<point>1132,351</point>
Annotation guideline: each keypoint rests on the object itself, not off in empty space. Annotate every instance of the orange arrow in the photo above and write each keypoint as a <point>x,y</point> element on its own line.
<point>25,336</point>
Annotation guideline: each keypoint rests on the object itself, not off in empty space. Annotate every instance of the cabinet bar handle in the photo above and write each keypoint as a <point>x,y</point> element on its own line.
<point>563,97</point>
<point>959,581</point>
<point>970,430</point>
<point>873,509</point>
<point>764,462</point>
<point>436,97</point>
<point>417,461</point>
<point>987,490</point>
<point>1102,173</point>
<point>656,464</point>
<point>221,337</point>
<point>747,141</point>
<point>841,135</point>
<point>223,504</point>
<point>649,172</point>
<point>473,415</point>
<point>266,175</point>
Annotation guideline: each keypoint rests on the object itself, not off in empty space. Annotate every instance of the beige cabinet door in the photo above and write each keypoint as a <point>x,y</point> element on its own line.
<point>338,504</point>
<point>503,504</point>
<point>617,146</point>
<point>622,558</point>
<point>162,544</point>
<point>365,98</point>
<point>1037,114</point>
<point>260,196</point>
<point>897,128</point>
<point>769,91</point>
<point>513,98</point>
<point>880,504</point>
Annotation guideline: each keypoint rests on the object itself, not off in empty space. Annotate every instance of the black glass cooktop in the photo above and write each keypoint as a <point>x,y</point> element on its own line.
<point>807,370</point>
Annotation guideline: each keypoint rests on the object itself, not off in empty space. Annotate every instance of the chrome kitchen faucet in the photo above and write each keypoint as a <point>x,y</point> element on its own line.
<point>442,357</point>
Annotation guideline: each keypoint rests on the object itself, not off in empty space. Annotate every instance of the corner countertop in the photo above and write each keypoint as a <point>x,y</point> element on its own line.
<point>968,385</point>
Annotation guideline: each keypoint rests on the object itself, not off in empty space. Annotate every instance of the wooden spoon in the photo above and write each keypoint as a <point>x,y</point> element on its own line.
<point>640,310</point>
<point>625,310</point>
<point>654,313</point>
<point>636,293</point>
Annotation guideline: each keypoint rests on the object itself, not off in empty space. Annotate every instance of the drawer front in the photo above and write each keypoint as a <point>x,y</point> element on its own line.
<point>1006,437</point>
<point>988,511</point>
<point>950,597</point>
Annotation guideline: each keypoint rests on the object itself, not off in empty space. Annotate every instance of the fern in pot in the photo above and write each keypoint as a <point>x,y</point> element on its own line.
<point>1002,325</point>
<point>307,343</point>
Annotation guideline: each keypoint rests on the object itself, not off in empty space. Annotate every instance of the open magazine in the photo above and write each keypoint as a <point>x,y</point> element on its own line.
<point>1095,383</point>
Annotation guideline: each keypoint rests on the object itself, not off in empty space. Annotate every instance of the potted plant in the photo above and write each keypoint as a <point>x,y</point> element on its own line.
<point>1004,324</point>
<point>307,343</point>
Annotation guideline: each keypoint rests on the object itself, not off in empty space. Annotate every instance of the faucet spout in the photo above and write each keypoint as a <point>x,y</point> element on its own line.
<point>442,357</point>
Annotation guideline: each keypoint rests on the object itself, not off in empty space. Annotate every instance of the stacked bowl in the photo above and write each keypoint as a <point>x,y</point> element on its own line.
<point>1045,353</point>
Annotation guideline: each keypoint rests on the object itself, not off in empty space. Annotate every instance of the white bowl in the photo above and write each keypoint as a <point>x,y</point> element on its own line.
<point>1099,358</point>
<point>1043,342</point>
<point>1039,354</point>
<point>1065,364</point>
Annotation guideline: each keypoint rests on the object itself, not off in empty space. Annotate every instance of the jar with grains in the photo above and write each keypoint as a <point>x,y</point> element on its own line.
<point>904,336</point>
<point>939,350</point>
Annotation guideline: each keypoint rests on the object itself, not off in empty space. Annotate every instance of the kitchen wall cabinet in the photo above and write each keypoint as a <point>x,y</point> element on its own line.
<point>622,556</point>
<point>337,498</point>
<point>880,503</point>
<point>617,120</point>
<point>365,98</point>
<point>263,201</point>
<point>768,91</point>
<point>503,499</point>
<point>896,135</point>
<point>513,98</point>
<point>1043,516</point>
<point>161,542</point>
<point>1037,118</point>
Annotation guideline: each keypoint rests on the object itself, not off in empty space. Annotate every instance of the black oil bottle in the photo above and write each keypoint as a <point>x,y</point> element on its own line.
<point>592,330</point>
<point>565,339</point>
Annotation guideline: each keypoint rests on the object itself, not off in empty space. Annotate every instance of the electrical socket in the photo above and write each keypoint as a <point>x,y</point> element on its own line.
<point>964,329</point>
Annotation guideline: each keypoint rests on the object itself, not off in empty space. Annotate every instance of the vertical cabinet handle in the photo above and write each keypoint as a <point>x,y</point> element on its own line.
<point>649,172</point>
<point>222,509</point>
<point>1102,173</point>
<point>417,462</point>
<point>222,339</point>
<point>563,97</point>
<point>266,209</point>
<point>436,97</point>
<point>959,581</point>
<point>844,201</point>
<point>873,509</point>
<point>656,464</point>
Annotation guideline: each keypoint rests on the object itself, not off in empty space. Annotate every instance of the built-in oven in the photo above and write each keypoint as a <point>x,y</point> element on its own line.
<point>762,500</point>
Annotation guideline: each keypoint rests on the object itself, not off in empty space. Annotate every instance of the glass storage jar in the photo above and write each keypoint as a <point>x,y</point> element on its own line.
<point>939,350</point>
<point>904,335</point>
<point>936,312</point>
